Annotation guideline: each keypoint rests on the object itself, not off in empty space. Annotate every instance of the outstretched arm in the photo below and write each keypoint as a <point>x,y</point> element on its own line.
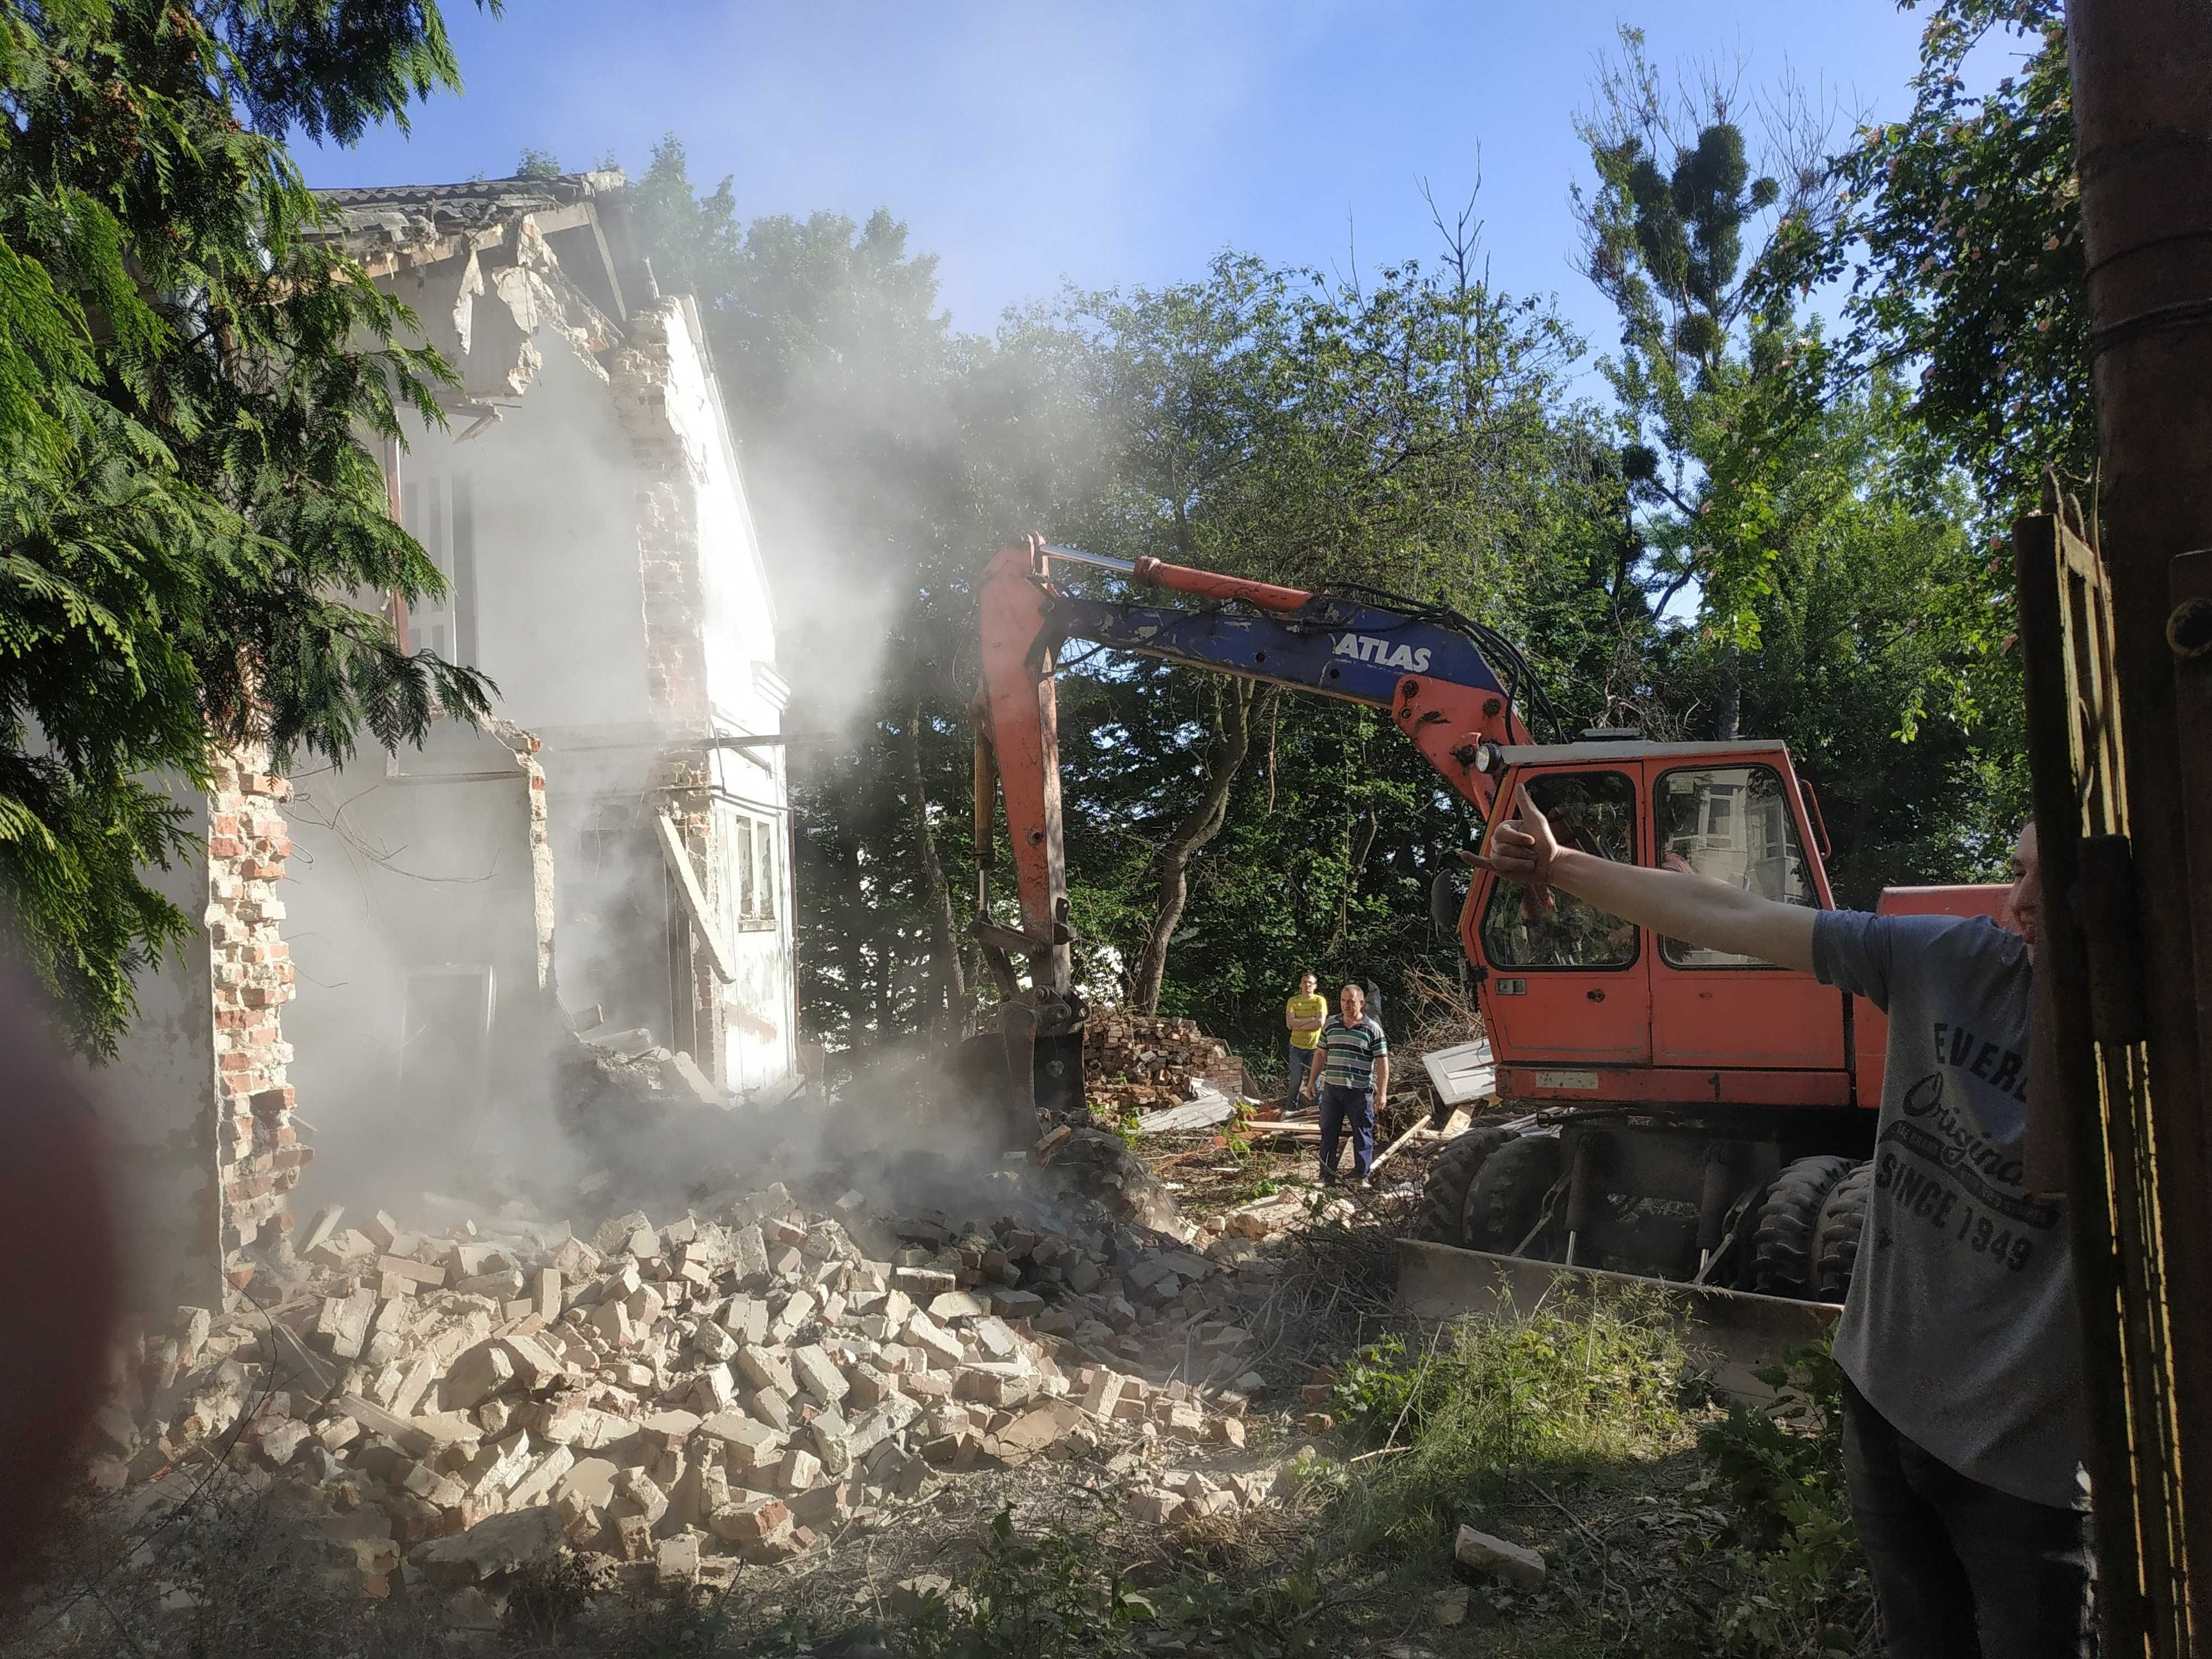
<point>1676,905</point>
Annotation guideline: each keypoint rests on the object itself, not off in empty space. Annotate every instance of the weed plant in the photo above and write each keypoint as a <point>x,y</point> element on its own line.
<point>1675,1525</point>
<point>1580,1388</point>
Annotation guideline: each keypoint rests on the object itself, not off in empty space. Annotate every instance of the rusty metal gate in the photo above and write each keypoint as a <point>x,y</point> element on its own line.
<point>2090,1127</point>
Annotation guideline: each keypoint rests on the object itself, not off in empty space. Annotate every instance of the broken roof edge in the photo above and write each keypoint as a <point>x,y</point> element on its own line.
<point>390,228</point>
<point>368,210</point>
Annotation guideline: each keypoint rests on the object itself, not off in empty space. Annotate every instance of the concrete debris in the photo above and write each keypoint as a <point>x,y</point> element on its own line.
<point>1181,1496</point>
<point>497,1544</point>
<point>1516,1565</point>
<point>1262,1219</point>
<point>745,1378</point>
<point>1206,1107</point>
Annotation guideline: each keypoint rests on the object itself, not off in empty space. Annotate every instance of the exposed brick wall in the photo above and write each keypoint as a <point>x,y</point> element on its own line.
<point>258,1154</point>
<point>667,518</point>
<point>669,554</point>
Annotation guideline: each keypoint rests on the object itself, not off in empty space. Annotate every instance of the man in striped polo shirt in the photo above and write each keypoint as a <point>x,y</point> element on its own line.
<point>1354,1069</point>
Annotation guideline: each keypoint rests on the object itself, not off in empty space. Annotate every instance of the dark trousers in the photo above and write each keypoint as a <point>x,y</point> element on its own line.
<point>1961,1570</point>
<point>1301,1061</point>
<point>1341,1108</point>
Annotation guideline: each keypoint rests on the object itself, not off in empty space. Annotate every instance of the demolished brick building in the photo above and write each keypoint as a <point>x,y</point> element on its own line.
<point>391,946</point>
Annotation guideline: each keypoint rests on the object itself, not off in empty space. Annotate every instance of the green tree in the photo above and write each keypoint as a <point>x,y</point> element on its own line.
<point>1715,374</point>
<point>1407,432</point>
<point>1965,238</point>
<point>186,373</point>
<point>1840,600</point>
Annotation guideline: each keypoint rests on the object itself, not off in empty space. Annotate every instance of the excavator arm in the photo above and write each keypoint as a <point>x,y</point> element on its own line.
<point>1426,665</point>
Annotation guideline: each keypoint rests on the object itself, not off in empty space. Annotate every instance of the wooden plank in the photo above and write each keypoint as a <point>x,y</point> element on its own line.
<point>695,898</point>
<point>1383,1157</point>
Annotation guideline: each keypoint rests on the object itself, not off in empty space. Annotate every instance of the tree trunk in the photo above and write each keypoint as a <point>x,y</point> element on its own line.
<point>853,946</point>
<point>1232,739</point>
<point>1351,886</point>
<point>1728,711</point>
<point>948,998</point>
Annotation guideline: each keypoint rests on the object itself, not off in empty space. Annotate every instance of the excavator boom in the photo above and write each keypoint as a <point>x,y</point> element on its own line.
<point>1424,664</point>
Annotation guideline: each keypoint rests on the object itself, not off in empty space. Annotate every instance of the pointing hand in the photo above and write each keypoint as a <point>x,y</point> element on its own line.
<point>1522,849</point>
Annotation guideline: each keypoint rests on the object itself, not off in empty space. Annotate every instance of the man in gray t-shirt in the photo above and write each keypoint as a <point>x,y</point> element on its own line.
<point>1954,1250</point>
<point>1964,1426</point>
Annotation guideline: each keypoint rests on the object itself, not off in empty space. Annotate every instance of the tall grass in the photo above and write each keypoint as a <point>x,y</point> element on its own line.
<point>1584,1384</point>
<point>1674,1527</point>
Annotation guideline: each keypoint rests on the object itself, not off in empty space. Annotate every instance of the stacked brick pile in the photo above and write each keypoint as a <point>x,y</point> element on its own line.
<point>257,1152</point>
<point>1147,1062</point>
<point>736,1383</point>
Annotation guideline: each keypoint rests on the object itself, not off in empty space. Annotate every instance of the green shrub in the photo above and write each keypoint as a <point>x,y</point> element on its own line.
<point>1797,1579</point>
<point>1584,1381</point>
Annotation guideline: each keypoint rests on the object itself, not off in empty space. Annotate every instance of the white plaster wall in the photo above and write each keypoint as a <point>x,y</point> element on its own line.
<point>428,868</point>
<point>761,1005</point>
<point>739,626</point>
<point>155,1102</point>
<point>560,610</point>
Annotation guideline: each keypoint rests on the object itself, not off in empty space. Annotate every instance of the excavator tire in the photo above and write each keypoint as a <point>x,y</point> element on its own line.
<point>1783,1245</point>
<point>1508,1194</point>
<point>1451,1176</point>
<point>1836,1242</point>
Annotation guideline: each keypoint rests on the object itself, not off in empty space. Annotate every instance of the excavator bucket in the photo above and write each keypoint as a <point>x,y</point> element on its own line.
<point>1015,1073</point>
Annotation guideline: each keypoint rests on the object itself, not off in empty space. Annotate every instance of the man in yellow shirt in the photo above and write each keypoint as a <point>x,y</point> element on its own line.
<point>1303,1015</point>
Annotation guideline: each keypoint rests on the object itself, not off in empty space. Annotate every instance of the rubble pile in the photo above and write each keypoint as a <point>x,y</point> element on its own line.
<point>1145,1062</point>
<point>732,1385</point>
<point>628,1068</point>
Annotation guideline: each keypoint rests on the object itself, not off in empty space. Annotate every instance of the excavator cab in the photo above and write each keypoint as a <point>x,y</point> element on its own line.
<point>1568,992</point>
<point>1701,1076</point>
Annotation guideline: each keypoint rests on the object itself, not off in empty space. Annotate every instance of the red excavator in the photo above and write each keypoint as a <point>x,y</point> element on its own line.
<point>1695,1115</point>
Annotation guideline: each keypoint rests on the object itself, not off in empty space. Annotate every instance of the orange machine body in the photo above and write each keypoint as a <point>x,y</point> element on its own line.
<point>1620,1015</point>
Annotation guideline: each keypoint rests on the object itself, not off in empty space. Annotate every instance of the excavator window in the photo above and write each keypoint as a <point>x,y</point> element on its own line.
<point>1732,824</point>
<point>1596,812</point>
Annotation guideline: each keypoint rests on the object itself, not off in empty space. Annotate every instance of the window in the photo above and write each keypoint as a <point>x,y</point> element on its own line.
<point>1733,824</point>
<point>1595,812</point>
<point>751,888</point>
<point>438,510</point>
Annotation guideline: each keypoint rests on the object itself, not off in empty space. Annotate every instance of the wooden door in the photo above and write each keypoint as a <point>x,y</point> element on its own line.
<point>1740,822</point>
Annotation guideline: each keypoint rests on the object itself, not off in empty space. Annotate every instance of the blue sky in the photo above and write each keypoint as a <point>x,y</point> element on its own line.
<point>1030,145</point>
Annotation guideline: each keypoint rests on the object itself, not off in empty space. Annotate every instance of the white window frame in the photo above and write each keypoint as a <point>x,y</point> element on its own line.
<point>753,887</point>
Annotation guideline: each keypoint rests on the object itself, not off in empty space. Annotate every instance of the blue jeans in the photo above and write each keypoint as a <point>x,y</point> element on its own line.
<point>1302,1062</point>
<point>1961,1570</point>
<point>1341,1108</point>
